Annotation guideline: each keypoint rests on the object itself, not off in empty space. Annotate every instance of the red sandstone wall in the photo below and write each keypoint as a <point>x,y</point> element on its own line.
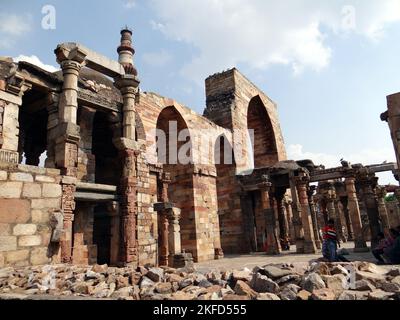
<point>28,195</point>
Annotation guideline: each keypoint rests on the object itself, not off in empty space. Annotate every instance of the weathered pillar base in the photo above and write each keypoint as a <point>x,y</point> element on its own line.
<point>360,246</point>
<point>182,260</point>
<point>219,254</point>
<point>310,247</point>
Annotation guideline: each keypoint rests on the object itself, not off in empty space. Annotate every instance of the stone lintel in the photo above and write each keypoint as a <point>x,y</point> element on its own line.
<point>93,59</point>
<point>11,98</point>
<point>160,206</point>
<point>95,196</point>
<point>125,143</point>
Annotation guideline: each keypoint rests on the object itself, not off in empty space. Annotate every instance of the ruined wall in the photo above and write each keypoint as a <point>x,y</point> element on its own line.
<point>228,97</point>
<point>146,228</point>
<point>28,196</point>
<point>192,186</point>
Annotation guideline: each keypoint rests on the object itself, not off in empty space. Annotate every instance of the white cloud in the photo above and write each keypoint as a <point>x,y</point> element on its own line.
<point>130,4</point>
<point>13,26</point>
<point>365,157</point>
<point>264,32</point>
<point>36,61</point>
<point>157,59</point>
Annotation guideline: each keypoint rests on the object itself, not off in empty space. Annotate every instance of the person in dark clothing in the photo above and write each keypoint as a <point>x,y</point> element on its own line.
<point>331,242</point>
<point>393,253</point>
<point>384,244</point>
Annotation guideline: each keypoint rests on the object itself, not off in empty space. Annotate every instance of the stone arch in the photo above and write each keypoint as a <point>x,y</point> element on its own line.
<point>264,151</point>
<point>180,191</point>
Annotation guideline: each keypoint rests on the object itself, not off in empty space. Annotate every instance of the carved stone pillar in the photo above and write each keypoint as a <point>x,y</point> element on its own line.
<point>296,220</point>
<point>164,225</point>
<point>129,250</point>
<point>349,226</point>
<point>174,235</point>
<point>128,85</point>
<point>67,138</point>
<point>313,211</point>
<point>289,219</point>
<point>338,220</point>
<point>281,215</point>
<point>302,181</point>
<point>67,207</point>
<point>355,215</point>
<point>381,194</point>
<point>273,245</point>
<point>114,212</point>
<point>368,183</point>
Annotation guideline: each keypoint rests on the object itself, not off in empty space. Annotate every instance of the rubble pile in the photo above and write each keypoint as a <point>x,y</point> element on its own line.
<point>297,281</point>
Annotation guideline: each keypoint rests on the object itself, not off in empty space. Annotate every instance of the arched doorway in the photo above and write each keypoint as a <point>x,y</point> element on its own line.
<point>263,147</point>
<point>171,154</point>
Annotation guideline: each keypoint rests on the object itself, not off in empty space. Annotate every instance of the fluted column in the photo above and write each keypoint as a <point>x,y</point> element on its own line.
<point>289,218</point>
<point>67,139</point>
<point>313,211</point>
<point>174,234</point>
<point>296,219</point>
<point>128,86</point>
<point>381,194</point>
<point>302,181</point>
<point>349,227</point>
<point>273,245</point>
<point>355,215</point>
<point>281,214</point>
<point>368,183</point>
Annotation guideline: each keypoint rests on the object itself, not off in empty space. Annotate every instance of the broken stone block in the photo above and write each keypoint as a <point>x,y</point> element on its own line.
<point>323,294</point>
<point>390,287</point>
<point>185,283</point>
<point>396,280</point>
<point>244,275</point>
<point>303,295</point>
<point>243,289</point>
<point>146,283</point>
<point>289,292</point>
<point>155,274</point>
<point>364,285</point>
<point>268,297</point>
<point>338,269</point>
<point>353,295</point>
<point>313,282</point>
<point>380,295</point>
<point>263,284</point>
<point>337,282</point>
<point>163,288</point>
<point>274,272</point>
<point>293,278</point>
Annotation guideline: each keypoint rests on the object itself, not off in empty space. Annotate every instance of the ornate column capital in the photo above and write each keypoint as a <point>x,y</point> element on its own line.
<point>69,52</point>
<point>265,184</point>
<point>128,84</point>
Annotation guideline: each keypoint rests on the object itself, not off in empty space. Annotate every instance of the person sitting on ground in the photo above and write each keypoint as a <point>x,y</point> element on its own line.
<point>331,242</point>
<point>393,253</point>
<point>384,244</point>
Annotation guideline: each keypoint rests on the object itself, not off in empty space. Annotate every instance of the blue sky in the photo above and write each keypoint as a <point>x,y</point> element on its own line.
<point>329,65</point>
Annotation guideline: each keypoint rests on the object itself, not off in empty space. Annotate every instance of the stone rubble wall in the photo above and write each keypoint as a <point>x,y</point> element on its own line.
<point>28,196</point>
